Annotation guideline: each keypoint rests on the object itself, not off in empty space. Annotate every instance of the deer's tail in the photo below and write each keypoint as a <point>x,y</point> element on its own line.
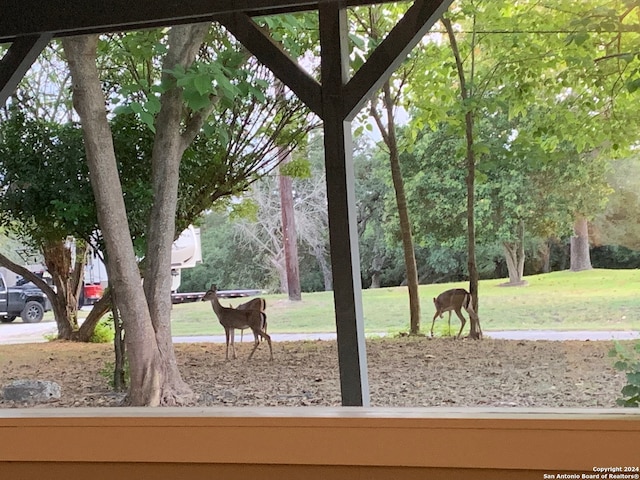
<point>467,303</point>
<point>263,321</point>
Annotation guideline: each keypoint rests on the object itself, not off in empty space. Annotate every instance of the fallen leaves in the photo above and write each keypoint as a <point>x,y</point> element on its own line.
<point>403,372</point>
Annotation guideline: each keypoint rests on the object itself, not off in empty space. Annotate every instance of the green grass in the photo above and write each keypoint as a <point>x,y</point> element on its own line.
<point>590,300</point>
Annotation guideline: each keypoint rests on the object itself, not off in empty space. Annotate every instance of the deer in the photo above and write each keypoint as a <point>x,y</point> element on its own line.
<point>455,299</point>
<point>259,304</point>
<point>232,318</point>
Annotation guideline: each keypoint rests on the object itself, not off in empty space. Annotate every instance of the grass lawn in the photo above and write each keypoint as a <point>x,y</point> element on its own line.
<point>590,300</point>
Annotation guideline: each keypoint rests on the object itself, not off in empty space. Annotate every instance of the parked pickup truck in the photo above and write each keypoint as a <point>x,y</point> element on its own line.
<point>26,301</point>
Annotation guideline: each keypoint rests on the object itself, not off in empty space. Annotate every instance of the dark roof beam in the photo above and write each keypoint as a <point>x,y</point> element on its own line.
<point>271,54</point>
<point>17,60</point>
<point>388,56</point>
<point>74,17</point>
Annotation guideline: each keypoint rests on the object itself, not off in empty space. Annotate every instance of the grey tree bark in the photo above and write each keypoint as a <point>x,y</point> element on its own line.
<point>389,137</point>
<point>289,233</point>
<point>88,99</point>
<point>514,254</point>
<point>476,331</point>
<point>171,140</point>
<point>580,257</point>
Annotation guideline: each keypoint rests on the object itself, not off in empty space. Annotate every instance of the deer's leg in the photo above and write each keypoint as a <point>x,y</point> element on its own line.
<point>449,322</point>
<point>263,324</point>
<point>261,333</point>
<point>256,342</point>
<point>434,321</point>
<point>226,333</point>
<point>233,342</point>
<point>264,335</point>
<point>463,321</point>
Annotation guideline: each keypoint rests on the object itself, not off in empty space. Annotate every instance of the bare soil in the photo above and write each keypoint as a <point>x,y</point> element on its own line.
<point>403,372</point>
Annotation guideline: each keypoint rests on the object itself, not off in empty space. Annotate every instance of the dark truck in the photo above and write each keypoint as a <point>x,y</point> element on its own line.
<point>26,301</point>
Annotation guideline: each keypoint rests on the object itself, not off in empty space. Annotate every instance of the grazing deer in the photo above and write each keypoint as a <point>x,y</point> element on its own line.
<point>259,304</point>
<point>455,299</point>
<point>231,319</point>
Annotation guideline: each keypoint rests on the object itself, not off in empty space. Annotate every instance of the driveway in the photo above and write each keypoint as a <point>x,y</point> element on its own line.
<point>19,332</point>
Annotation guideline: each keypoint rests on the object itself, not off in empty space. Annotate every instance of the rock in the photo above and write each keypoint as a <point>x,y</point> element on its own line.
<point>31,391</point>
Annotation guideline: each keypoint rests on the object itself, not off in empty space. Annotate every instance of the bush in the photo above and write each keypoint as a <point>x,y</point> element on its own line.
<point>614,257</point>
<point>629,362</point>
<point>104,331</point>
<point>441,327</point>
<point>108,372</point>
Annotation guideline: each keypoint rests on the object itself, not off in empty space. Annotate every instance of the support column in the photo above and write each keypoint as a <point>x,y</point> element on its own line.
<point>343,235</point>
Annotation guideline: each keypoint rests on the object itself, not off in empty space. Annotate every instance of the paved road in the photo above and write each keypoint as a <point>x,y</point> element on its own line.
<point>556,335</point>
<point>33,333</point>
<point>19,332</point>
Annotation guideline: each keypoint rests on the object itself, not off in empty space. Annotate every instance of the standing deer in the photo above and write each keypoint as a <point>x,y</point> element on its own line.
<point>455,299</point>
<point>231,319</point>
<point>259,304</point>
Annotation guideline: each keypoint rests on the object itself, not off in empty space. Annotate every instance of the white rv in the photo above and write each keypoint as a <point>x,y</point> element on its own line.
<point>186,252</point>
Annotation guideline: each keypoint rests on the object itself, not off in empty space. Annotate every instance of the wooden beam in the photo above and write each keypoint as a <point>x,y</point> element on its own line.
<point>314,443</point>
<point>17,60</point>
<point>343,235</point>
<point>386,58</point>
<point>75,17</point>
<point>271,54</point>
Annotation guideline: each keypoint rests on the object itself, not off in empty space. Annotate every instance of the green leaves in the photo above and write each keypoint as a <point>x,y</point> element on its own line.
<point>206,82</point>
<point>578,38</point>
<point>629,362</point>
<point>247,209</point>
<point>296,168</point>
<point>633,84</point>
<point>146,111</point>
<point>44,177</point>
<point>297,33</point>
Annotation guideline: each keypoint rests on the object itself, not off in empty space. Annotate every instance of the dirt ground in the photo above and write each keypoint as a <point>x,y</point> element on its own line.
<point>407,372</point>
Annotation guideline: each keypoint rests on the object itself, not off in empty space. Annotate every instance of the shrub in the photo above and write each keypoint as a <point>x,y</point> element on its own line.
<point>104,331</point>
<point>441,328</point>
<point>108,373</point>
<point>628,362</point>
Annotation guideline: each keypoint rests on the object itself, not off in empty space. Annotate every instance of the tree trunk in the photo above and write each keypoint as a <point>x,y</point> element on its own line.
<point>319,254</point>
<point>64,300</point>
<point>147,376</point>
<point>99,310</point>
<point>545,254</point>
<point>32,277</point>
<point>289,234</point>
<point>57,257</point>
<point>476,331</point>
<point>172,138</point>
<point>514,255</point>
<point>580,257</point>
<point>389,136</point>
<point>511,257</point>
<point>279,264</point>
<point>376,270</point>
<point>119,348</point>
